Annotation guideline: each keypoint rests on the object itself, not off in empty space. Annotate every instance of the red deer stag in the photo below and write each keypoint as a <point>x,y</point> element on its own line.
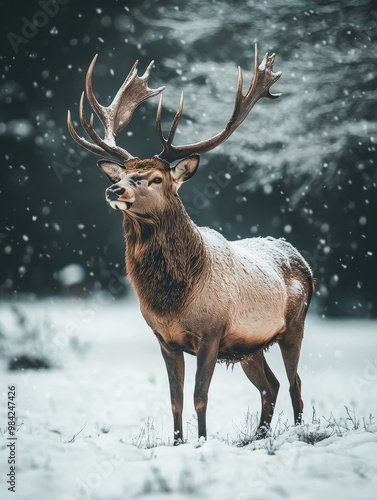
<point>200,294</point>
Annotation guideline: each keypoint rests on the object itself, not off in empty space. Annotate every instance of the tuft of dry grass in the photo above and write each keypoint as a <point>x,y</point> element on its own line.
<point>149,437</point>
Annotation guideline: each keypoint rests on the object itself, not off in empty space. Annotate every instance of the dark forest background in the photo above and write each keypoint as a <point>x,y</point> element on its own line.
<point>305,163</point>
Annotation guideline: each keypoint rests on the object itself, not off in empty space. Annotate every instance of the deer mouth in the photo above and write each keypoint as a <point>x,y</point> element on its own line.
<point>120,205</point>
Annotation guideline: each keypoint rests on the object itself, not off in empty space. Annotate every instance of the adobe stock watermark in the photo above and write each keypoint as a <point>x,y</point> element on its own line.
<point>257,485</point>
<point>30,27</point>
<point>73,160</point>
<point>369,377</point>
<point>216,182</point>
<point>85,486</point>
<point>86,313</point>
<point>368,30</point>
<point>322,252</point>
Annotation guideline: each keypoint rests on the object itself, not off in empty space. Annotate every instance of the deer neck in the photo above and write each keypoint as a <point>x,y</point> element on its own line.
<point>165,257</point>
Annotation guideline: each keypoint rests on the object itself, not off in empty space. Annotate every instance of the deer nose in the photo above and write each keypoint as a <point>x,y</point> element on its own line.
<point>113,192</point>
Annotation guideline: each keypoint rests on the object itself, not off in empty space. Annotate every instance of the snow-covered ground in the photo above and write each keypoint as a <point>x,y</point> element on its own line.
<point>88,426</point>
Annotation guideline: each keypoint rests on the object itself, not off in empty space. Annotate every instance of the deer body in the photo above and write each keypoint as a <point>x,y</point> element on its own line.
<point>233,293</point>
<point>199,293</point>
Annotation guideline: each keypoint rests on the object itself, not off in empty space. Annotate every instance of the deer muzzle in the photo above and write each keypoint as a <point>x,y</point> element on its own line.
<point>119,197</point>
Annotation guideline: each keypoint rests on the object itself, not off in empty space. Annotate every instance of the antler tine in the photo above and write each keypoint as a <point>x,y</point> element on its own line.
<point>89,89</point>
<point>167,142</point>
<point>177,117</point>
<point>86,126</point>
<point>256,59</point>
<point>239,84</point>
<point>262,80</point>
<point>148,71</point>
<point>158,123</point>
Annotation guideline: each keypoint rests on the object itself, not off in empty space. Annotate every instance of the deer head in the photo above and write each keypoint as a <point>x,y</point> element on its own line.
<point>145,186</point>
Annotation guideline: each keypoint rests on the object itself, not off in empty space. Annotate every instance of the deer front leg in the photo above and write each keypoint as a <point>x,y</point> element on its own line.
<point>175,365</point>
<point>206,361</point>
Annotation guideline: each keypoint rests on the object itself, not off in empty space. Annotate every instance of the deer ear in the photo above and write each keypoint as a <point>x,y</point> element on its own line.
<point>185,169</point>
<point>113,171</point>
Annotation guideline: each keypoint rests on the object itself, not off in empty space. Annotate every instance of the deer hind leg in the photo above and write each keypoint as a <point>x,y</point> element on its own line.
<point>261,375</point>
<point>290,346</point>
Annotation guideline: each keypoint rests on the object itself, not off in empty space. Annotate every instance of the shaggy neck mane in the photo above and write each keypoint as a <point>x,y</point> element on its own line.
<point>165,258</point>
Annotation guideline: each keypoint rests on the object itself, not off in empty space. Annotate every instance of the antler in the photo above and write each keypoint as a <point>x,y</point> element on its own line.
<point>263,78</point>
<point>115,117</point>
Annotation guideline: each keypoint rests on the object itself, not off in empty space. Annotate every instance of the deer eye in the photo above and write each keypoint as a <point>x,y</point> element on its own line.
<point>157,180</point>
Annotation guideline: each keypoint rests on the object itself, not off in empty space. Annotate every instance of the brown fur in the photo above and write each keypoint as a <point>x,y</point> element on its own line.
<point>165,258</point>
